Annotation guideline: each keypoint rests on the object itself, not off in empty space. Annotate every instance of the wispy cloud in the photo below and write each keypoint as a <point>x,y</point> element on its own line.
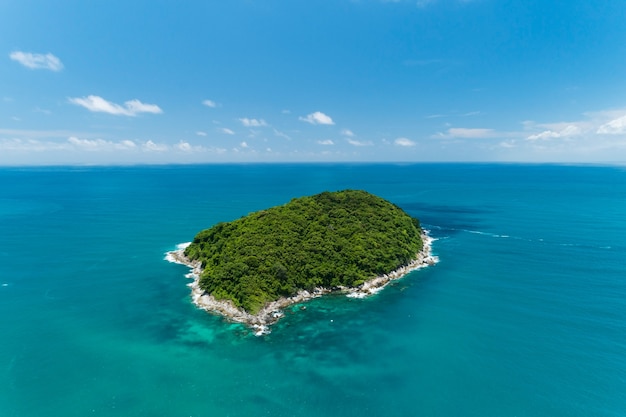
<point>74,143</point>
<point>200,133</point>
<point>210,103</point>
<point>325,142</point>
<point>598,135</point>
<point>252,122</point>
<point>467,133</point>
<point>97,145</point>
<point>613,127</point>
<point>405,142</point>
<point>281,134</point>
<point>347,132</point>
<point>243,144</point>
<point>568,131</point>
<point>130,108</point>
<point>359,143</point>
<point>226,131</point>
<point>317,118</point>
<point>606,123</point>
<point>93,146</point>
<point>37,61</point>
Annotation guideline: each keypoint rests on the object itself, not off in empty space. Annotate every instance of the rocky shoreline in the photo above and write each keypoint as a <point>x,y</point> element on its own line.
<point>272,312</point>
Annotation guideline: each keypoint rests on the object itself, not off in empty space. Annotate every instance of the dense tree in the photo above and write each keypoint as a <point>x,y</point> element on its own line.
<point>327,240</point>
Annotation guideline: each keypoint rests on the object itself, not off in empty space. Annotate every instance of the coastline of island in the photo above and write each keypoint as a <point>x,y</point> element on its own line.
<point>272,312</point>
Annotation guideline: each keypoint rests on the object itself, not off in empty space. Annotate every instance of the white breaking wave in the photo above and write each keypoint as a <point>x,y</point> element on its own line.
<point>170,258</point>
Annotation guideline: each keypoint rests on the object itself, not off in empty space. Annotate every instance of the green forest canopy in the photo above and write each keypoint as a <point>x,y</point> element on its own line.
<point>327,240</point>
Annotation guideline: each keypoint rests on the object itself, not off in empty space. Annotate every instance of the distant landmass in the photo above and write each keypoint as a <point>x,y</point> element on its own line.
<point>351,240</point>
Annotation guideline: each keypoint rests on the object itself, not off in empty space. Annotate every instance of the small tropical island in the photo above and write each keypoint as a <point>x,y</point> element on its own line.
<point>251,268</point>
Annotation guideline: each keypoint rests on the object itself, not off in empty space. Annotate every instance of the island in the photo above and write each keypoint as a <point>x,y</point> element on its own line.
<point>250,269</point>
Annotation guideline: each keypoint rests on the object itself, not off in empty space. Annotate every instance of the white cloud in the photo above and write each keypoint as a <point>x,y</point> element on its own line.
<point>568,131</point>
<point>136,107</point>
<point>100,105</point>
<point>100,144</point>
<point>404,142</point>
<point>596,136</point>
<point>154,147</point>
<point>226,131</point>
<point>200,133</point>
<point>544,131</point>
<point>252,122</point>
<point>184,146</point>
<point>37,61</point>
<point>73,143</point>
<point>210,103</point>
<point>347,132</point>
<point>325,142</point>
<point>546,134</point>
<point>317,118</point>
<point>359,143</point>
<point>81,147</point>
<point>614,127</point>
<point>243,144</point>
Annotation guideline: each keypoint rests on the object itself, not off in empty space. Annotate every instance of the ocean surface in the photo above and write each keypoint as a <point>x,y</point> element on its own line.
<point>524,315</point>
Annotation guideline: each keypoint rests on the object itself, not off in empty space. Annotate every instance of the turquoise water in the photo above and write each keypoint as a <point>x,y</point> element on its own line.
<point>525,315</point>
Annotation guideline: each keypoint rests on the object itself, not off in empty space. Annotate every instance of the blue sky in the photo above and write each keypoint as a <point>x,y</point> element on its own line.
<point>122,82</point>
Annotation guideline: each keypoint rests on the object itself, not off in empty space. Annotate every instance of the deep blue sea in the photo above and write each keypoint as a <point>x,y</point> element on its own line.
<point>524,315</point>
